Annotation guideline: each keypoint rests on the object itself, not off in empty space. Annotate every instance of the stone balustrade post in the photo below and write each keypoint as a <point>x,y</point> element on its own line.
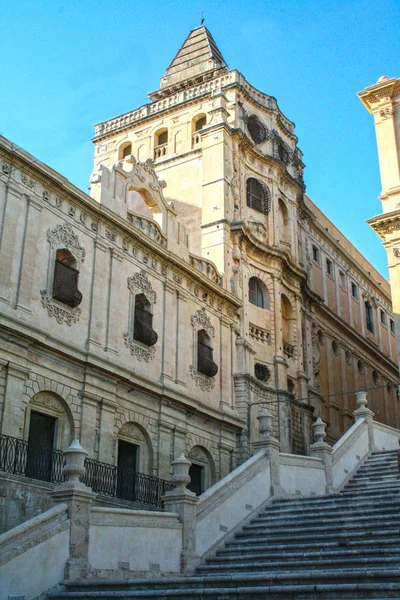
<point>272,446</point>
<point>321,449</point>
<point>182,501</point>
<point>78,498</point>
<point>362,412</point>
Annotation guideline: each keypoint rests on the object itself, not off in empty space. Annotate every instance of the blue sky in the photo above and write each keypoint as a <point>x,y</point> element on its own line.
<point>67,64</point>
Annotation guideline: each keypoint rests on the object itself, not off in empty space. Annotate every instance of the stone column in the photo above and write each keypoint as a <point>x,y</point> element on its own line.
<point>321,449</point>
<point>164,449</point>
<point>179,440</point>
<point>13,416</point>
<point>10,240</point>
<point>90,403</point>
<point>362,412</point>
<point>169,329</point>
<point>98,311</point>
<point>224,459</point>
<point>23,298</point>
<point>115,316</point>
<point>184,502</point>
<point>272,447</point>
<point>107,422</point>
<point>78,498</point>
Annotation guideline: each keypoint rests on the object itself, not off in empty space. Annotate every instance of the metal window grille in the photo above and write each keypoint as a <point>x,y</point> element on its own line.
<point>205,363</point>
<point>258,196</point>
<point>143,323</point>
<point>65,284</point>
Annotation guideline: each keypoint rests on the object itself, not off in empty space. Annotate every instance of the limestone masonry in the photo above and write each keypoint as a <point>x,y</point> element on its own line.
<point>194,285</point>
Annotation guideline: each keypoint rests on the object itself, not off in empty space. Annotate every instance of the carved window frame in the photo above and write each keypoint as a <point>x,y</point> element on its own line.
<point>200,320</point>
<point>61,237</point>
<point>139,284</point>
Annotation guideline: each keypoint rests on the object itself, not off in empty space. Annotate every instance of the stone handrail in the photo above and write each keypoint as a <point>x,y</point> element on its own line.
<point>32,532</point>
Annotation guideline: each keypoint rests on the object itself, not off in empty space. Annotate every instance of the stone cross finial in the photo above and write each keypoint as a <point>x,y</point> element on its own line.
<point>265,424</point>
<point>180,471</point>
<point>319,431</point>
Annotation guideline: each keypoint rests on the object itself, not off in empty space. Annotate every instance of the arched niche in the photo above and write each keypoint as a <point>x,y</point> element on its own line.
<point>124,150</point>
<point>55,408</point>
<point>283,222</point>
<point>287,319</point>
<point>135,435</point>
<point>202,470</point>
<point>141,202</point>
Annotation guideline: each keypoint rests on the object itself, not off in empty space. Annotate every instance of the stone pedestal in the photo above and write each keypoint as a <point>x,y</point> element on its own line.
<point>272,446</point>
<point>78,498</point>
<point>362,412</point>
<point>183,502</point>
<point>321,449</point>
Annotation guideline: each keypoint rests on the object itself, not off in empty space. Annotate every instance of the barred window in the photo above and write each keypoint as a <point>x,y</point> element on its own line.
<point>143,322</point>
<point>65,280</point>
<point>258,196</point>
<point>256,129</point>
<point>205,363</point>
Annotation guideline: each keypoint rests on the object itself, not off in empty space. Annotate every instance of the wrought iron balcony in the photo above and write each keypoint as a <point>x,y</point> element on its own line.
<point>145,334</point>
<point>65,285</point>
<point>206,366</point>
<point>18,457</point>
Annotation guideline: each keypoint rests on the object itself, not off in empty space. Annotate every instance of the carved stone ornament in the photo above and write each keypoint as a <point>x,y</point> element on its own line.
<point>204,382</point>
<point>61,314</point>
<point>396,252</point>
<point>49,402</point>
<point>140,351</point>
<point>201,320</point>
<point>140,282</point>
<point>63,235</point>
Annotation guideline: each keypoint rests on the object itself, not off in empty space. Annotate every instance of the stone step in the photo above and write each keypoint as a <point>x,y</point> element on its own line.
<point>294,565</point>
<point>250,537</point>
<point>331,503</point>
<point>308,527</point>
<point>339,498</point>
<point>325,516</point>
<point>309,554</point>
<point>239,547</point>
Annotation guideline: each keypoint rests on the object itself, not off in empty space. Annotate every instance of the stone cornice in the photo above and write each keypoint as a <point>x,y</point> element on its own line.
<point>192,93</point>
<point>385,223</point>
<point>385,88</point>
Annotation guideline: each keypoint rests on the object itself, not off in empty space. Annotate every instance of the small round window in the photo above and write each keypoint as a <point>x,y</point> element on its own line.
<point>257,130</point>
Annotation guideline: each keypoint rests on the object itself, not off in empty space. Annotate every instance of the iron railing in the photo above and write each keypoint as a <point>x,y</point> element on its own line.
<point>126,484</point>
<point>19,457</point>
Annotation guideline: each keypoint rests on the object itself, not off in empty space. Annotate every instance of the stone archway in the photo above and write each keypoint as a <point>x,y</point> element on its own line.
<point>135,435</point>
<point>53,406</point>
<point>202,470</point>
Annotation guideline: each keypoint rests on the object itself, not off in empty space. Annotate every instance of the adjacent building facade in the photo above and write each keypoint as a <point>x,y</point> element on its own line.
<point>382,100</point>
<point>194,285</point>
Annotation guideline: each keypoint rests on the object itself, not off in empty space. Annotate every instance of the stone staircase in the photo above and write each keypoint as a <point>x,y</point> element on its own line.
<point>341,546</point>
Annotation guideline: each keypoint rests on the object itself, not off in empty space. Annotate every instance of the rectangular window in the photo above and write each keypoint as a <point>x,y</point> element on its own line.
<point>329,267</point>
<point>392,326</point>
<point>354,290</point>
<point>383,317</point>
<point>342,279</point>
<point>315,254</point>
<point>369,317</point>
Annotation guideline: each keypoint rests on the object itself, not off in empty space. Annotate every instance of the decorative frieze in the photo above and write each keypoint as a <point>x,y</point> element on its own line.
<point>64,236</point>
<point>204,382</point>
<point>138,350</point>
<point>62,314</point>
<point>140,282</point>
<point>200,320</point>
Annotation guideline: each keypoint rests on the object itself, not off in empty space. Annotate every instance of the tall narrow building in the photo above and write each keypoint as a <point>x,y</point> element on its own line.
<point>382,100</point>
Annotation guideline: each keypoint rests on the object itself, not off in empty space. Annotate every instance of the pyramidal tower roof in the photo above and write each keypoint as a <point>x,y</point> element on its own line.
<point>198,55</point>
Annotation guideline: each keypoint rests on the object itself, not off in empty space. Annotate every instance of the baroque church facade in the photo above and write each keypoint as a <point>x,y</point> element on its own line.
<point>196,284</point>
